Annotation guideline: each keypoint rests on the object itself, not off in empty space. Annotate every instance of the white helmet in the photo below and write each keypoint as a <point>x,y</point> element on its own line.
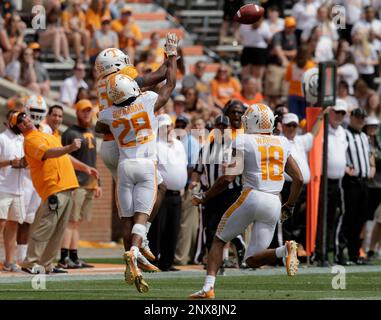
<point>111,60</point>
<point>258,118</point>
<point>310,85</point>
<point>121,88</point>
<point>36,108</point>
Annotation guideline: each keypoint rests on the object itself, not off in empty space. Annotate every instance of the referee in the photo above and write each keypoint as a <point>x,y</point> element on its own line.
<point>355,187</point>
<point>209,169</point>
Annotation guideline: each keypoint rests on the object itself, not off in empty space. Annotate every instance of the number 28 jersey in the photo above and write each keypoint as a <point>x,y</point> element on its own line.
<point>134,127</point>
<point>265,159</point>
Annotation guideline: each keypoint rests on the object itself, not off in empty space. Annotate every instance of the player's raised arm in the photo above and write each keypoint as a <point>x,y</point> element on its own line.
<point>166,90</point>
<point>153,78</point>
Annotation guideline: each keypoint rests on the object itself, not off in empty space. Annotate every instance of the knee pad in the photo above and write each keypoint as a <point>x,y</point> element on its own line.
<point>139,229</point>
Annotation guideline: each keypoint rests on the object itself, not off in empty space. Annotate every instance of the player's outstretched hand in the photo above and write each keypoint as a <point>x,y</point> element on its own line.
<point>171,44</point>
<point>287,212</point>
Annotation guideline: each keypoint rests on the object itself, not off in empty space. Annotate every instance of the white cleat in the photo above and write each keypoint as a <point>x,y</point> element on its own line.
<point>291,261</point>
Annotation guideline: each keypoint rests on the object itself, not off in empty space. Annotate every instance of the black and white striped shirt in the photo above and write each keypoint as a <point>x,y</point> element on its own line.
<point>209,165</point>
<point>358,152</point>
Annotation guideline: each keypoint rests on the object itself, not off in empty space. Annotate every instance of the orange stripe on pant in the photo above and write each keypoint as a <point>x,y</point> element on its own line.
<point>232,208</point>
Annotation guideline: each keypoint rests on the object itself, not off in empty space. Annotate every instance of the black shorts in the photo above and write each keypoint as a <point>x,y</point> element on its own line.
<point>254,56</point>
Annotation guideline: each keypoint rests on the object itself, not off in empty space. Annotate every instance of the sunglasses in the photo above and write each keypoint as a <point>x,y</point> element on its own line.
<point>291,125</point>
<point>340,112</point>
<point>21,118</point>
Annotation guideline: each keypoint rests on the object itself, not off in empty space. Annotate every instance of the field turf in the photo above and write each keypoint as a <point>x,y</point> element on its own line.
<point>311,283</point>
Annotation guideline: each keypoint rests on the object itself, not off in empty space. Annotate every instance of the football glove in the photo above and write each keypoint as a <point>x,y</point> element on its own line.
<point>171,44</point>
<point>287,212</point>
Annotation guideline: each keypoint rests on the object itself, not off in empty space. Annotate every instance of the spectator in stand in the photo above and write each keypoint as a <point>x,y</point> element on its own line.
<point>28,75</point>
<point>255,39</point>
<point>279,112</point>
<point>321,47</point>
<point>149,63</point>
<point>230,7</point>
<point>14,40</point>
<point>371,128</point>
<point>373,106</point>
<point>282,50</point>
<point>224,86</point>
<point>12,69</point>
<point>97,10</point>
<point>70,86</point>
<point>12,174</point>
<point>294,74</point>
<point>249,93</point>
<point>54,37</point>
<point>155,47</point>
<point>195,81</point>
<point>370,26</point>
<point>172,165</point>
<point>355,186</point>
<point>327,27</point>
<point>89,187</point>
<point>193,104</point>
<point>178,107</point>
<point>346,70</point>
<point>351,101</point>
<point>104,38</point>
<point>42,74</point>
<point>365,56</point>
<point>128,31</point>
<point>274,22</point>
<point>305,12</point>
<point>361,92</point>
<point>82,93</point>
<point>374,185</point>
<point>74,24</point>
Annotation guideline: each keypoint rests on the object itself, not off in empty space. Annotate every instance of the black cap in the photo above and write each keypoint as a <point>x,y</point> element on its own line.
<point>221,119</point>
<point>183,119</point>
<point>359,113</point>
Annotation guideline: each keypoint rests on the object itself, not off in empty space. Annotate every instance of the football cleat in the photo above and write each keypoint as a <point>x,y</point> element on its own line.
<point>145,265</point>
<point>292,261</point>
<point>146,251</point>
<point>203,294</point>
<point>133,274</point>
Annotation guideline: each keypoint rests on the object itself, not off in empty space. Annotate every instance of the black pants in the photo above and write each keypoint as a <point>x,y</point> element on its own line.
<point>356,202</point>
<point>214,210</point>
<point>334,210</point>
<point>165,229</point>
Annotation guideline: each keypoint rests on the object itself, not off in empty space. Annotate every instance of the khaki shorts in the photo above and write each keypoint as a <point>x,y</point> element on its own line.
<point>12,207</point>
<point>275,85</point>
<point>377,214</point>
<point>83,204</point>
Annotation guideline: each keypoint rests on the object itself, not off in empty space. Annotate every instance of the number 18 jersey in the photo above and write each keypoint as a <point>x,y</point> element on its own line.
<point>265,158</point>
<point>134,127</point>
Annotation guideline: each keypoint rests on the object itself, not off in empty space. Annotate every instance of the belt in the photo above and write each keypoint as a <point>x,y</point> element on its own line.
<point>356,179</point>
<point>108,137</point>
<point>172,193</point>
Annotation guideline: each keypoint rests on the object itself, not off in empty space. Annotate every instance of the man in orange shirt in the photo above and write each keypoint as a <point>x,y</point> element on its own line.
<point>249,94</point>
<point>53,177</point>
<point>128,31</point>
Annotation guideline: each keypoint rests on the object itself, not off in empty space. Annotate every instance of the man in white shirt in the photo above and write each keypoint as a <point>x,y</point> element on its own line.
<point>12,175</point>
<point>172,165</point>
<point>70,86</point>
<point>337,147</point>
<point>300,145</point>
<point>305,12</point>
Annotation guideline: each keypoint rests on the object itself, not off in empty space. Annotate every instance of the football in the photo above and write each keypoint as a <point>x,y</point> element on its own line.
<point>249,14</point>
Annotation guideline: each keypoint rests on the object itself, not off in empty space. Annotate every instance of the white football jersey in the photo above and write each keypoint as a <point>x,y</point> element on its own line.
<point>265,158</point>
<point>134,127</point>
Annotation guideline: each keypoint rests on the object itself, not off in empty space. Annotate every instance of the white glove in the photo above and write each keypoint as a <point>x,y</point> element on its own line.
<point>171,43</point>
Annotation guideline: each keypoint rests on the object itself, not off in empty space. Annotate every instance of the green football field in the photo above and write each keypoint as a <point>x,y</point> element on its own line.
<point>311,283</point>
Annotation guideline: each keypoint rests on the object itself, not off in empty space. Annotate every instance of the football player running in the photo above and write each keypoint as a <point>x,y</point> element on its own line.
<point>131,120</point>
<point>109,62</point>
<point>262,159</point>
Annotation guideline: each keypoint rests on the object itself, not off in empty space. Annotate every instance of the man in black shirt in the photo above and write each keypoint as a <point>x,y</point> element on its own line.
<point>283,49</point>
<point>89,187</point>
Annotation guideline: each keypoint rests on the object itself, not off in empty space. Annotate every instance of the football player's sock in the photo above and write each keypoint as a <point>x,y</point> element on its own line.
<point>64,254</point>
<point>135,251</point>
<point>225,254</point>
<point>73,254</point>
<point>281,252</point>
<point>21,252</point>
<point>209,283</point>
